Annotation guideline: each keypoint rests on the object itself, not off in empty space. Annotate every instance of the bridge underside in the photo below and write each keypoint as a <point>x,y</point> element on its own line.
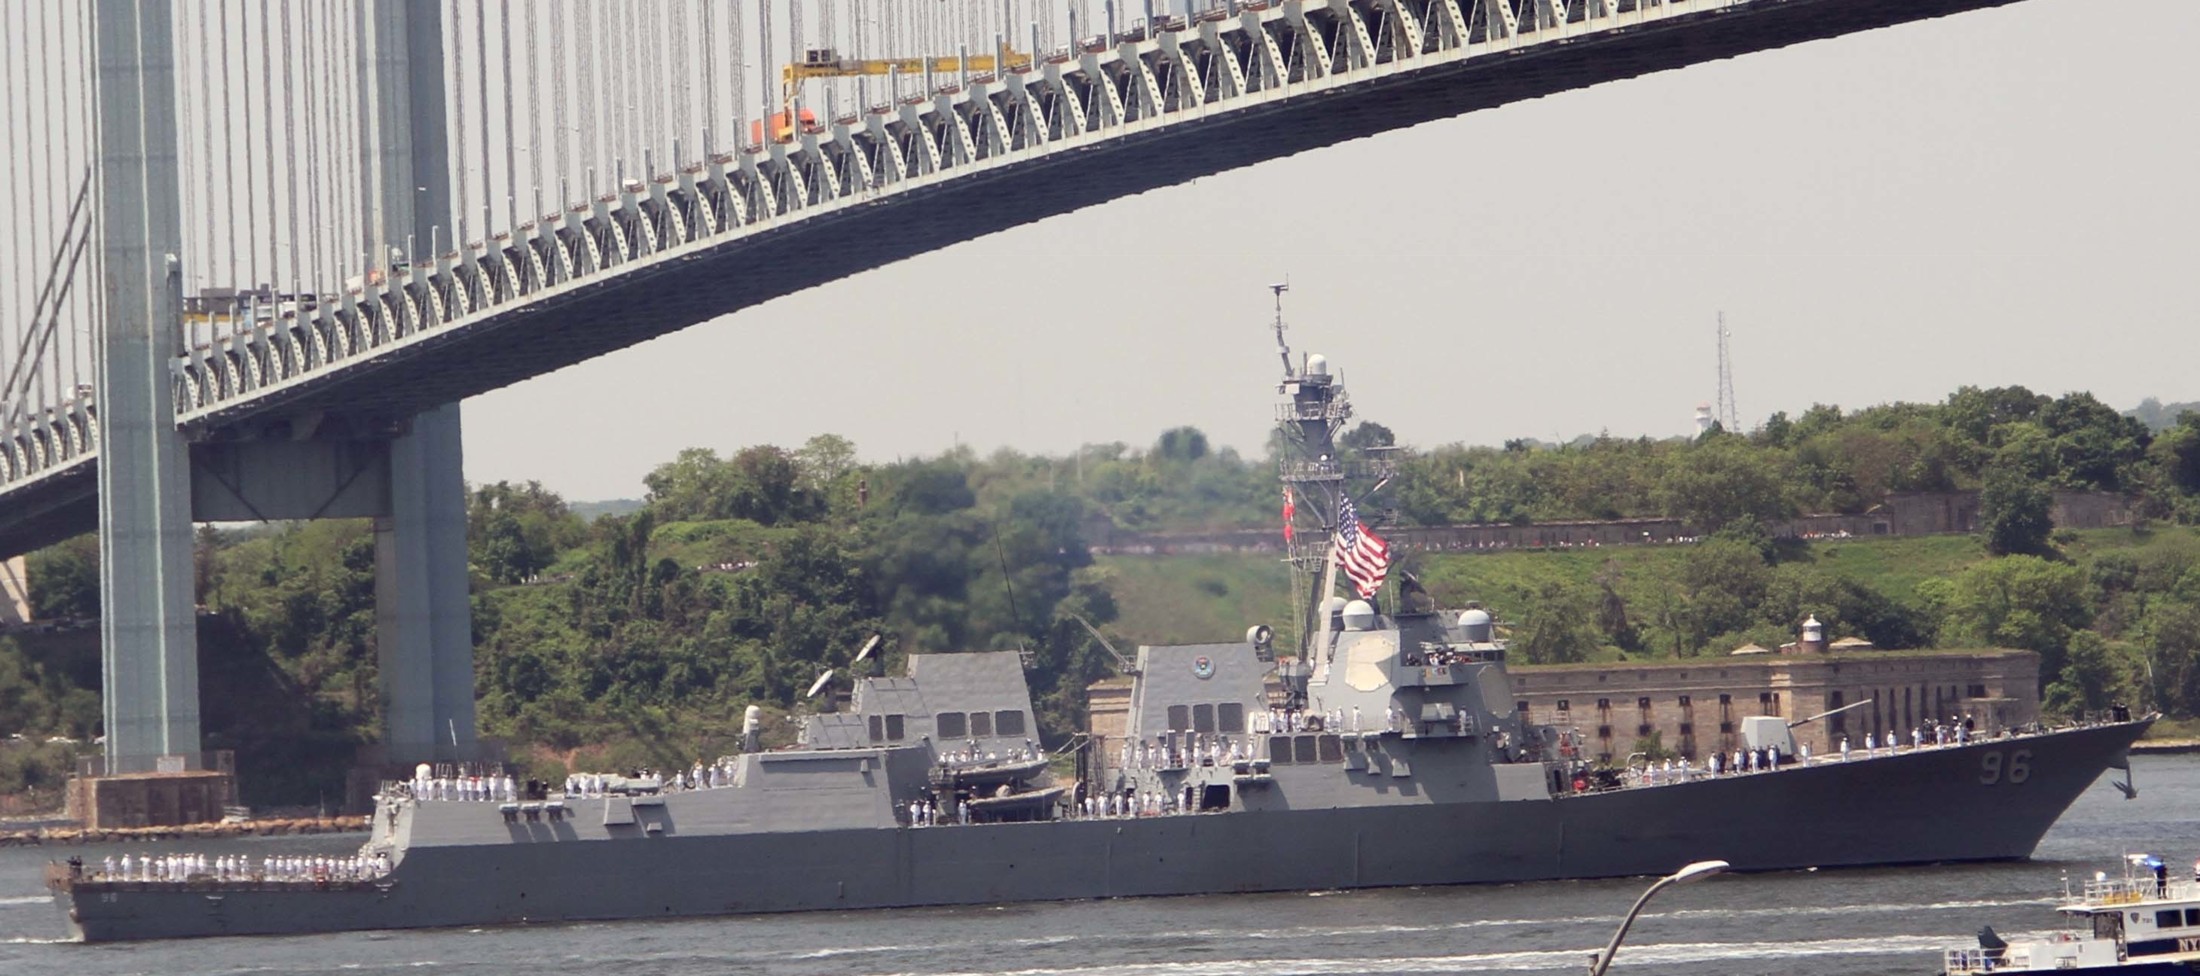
<point>589,318</point>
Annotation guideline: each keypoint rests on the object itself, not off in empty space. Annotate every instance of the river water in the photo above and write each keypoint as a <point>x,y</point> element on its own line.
<point>1893,920</point>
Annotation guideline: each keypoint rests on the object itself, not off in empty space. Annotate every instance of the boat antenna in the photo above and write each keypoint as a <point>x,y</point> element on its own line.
<point>1010,582</point>
<point>1283,348</point>
<point>1122,663</point>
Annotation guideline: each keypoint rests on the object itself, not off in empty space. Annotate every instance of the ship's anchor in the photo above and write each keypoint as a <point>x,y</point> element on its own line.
<point>2127,787</point>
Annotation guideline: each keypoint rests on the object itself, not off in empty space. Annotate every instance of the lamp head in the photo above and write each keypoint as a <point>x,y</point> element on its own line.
<point>1698,871</point>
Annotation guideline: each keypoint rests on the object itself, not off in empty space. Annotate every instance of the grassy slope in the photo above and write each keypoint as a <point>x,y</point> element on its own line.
<point>1173,599</point>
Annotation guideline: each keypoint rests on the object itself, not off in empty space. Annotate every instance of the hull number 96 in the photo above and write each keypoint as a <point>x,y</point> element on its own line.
<point>2013,769</point>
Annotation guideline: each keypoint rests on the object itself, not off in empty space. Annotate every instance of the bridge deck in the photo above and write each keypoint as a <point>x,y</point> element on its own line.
<point>1277,79</point>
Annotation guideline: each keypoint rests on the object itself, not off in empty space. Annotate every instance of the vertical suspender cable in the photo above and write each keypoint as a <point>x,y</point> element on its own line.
<point>267,149</point>
<point>680,38</point>
<point>710,72</point>
<point>739,71</point>
<point>251,196</point>
<point>457,122</point>
<point>73,89</point>
<point>511,78</point>
<point>229,173</point>
<point>201,49</point>
<point>559,59</point>
<point>481,77</point>
<point>649,93</point>
<point>614,121</point>
<point>42,181</point>
<point>310,242</point>
<point>534,113</point>
<point>584,101</point>
<point>13,280</point>
<point>331,231</point>
<point>630,89</point>
<point>290,175</point>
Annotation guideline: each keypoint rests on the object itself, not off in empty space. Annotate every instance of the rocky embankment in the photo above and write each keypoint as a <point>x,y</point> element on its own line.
<point>119,835</point>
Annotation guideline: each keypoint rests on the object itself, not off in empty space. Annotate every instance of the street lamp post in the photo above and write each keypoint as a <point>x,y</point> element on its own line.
<point>1701,869</point>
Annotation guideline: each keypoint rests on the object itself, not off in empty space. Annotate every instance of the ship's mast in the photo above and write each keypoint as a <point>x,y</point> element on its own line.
<point>1311,416</point>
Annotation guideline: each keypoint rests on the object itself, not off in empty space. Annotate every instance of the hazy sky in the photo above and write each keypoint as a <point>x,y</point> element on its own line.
<point>2006,196</point>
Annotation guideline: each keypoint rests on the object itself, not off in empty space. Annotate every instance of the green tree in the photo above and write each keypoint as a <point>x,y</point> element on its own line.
<point>64,579</point>
<point>2014,601</point>
<point>2015,513</point>
<point>1554,623</point>
<point>1723,479</point>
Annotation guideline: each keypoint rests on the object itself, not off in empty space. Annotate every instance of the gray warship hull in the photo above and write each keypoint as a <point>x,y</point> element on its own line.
<point>465,866</point>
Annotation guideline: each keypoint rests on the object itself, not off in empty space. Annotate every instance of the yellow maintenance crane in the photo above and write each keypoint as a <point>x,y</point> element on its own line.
<point>827,63</point>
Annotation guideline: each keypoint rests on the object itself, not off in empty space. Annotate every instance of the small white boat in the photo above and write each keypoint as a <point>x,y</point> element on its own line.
<point>2141,923</point>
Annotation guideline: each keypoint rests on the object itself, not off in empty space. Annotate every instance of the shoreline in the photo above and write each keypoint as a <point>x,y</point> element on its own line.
<point>2165,747</point>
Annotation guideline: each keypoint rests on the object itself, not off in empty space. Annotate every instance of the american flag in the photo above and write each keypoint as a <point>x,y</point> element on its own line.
<point>1364,556</point>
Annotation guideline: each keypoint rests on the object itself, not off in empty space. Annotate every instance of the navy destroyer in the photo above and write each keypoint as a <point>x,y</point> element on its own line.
<point>1381,748</point>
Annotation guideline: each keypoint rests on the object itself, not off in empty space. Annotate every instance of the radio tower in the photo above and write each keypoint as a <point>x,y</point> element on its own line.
<point>1728,415</point>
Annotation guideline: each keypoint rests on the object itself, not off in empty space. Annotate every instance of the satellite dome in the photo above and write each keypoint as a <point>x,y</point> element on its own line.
<point>1317,365</point>
<point>1475,624</point>
<point>1331,608</point>
<point>1359,615</point>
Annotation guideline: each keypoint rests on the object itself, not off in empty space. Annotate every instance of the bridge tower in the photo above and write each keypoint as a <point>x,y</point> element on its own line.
<point>148,637</point>
<point>423,619</point>
<point>153,482</point>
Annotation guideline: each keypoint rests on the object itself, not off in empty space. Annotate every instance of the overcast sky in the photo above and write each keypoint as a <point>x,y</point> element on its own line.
<point>2000,197</point>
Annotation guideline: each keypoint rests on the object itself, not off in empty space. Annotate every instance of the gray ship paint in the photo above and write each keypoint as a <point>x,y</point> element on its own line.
<point>826,826</point>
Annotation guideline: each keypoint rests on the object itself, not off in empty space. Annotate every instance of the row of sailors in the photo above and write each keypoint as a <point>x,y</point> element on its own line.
<point>1284,721</point>
<point>1941,735</point>
<point>1756,760</point>
<point>972,754</point>
<point>1280,721</point>
<point>479,789</point>
<point>237,867</point>
<point>702,777</point>
<point>1132,804</point>
<point>1201,750</point>
<point>926,812</point>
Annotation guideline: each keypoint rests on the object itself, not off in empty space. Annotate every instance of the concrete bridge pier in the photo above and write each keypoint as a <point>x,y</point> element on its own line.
<point>423,617</point>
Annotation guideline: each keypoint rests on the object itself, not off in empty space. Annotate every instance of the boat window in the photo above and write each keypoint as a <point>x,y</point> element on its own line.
<point>894,728</point>
<point>1302,750</point>
<point>1203,718</point>
<point>1008,723</point>
<point>1180,718</point>
<point>2168,918</point>
<point>1332,748</point>
<point>878,728</point>
<point>952,726</point>
<point>2109,925</point>
<point>1230,716</point>
<point>1279,750</point>
<point>2192,916</point>
<point>981,723</point>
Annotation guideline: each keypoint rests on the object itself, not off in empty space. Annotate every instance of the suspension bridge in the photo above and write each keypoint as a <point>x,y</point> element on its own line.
<point>266,247</point>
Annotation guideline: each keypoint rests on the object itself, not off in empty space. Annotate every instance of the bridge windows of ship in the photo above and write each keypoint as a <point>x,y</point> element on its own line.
<point>888,728</point>
<point>1305,750</point>
<point>1008,723</point>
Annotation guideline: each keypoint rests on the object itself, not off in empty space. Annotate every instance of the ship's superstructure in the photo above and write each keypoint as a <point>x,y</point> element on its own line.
<point>1385,749</point>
